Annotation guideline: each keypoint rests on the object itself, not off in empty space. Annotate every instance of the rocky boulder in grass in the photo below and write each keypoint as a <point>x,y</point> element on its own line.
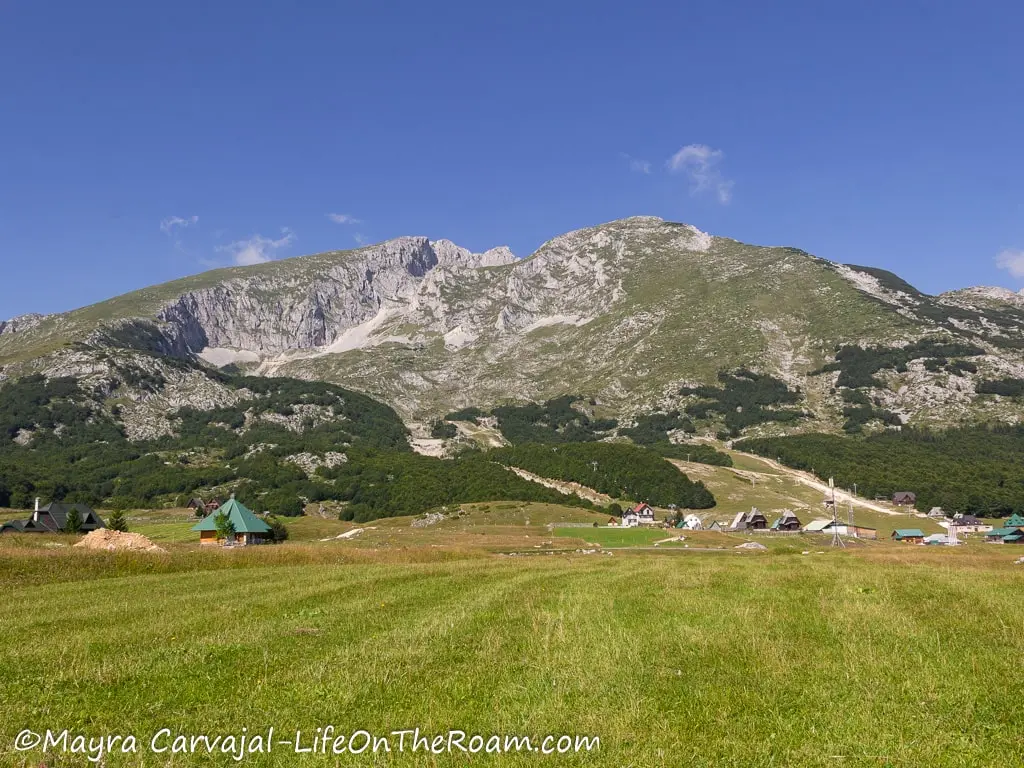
<point>112,541</point>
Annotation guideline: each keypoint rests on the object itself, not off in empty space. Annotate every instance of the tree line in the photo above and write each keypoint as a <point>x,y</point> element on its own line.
<point>619,470</point>
<point>979,470</point>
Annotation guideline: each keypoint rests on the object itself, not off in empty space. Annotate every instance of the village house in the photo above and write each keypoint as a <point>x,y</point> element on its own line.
<point>904,498</point>
<point>1014,521</point>
<point>53,518</point>
<point>908,535</point>
<point>749,521</point>
<point>201,507</point>
<point>843,529</point>
<point>936,513</point>
<point>641,514</point>
<point>788,521</point>
<point>248,529</point>
<point>969,524</point>
<point>1005,536</point>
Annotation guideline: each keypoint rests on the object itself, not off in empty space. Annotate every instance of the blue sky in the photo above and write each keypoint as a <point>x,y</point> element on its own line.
<point>145,141</point>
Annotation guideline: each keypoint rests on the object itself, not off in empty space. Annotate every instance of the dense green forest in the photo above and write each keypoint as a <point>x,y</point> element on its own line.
<point>976,470</point>
<point>654,427</point>
<point>557,422</point>
<point>619,470</point>
<point>554,421</point>
<point>744,399</point>
<point>387,484</point>
<point>698,452</point>
<point>76,451</point>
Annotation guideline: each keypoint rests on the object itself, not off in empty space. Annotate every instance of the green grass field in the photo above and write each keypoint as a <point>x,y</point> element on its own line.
<point>489,621</point>
<point>705,660</point>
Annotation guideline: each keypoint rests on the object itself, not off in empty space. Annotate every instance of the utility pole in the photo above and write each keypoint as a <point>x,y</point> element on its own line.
<point>837,540</point>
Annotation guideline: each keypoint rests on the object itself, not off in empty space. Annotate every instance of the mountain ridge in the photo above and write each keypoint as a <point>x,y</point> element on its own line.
<point>628,312</point>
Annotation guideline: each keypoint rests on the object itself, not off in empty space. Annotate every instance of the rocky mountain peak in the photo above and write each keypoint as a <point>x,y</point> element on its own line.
<point>451,255</point>
<point>21,323</point>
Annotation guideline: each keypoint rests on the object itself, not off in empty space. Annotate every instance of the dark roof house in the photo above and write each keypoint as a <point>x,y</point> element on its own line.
<point>752,520</point>
<point>904,498</point>
<point>788,521</point>
<point>53,518</point>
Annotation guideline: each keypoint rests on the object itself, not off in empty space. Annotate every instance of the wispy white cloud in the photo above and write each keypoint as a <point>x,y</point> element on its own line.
<point>343,218</point>
<point>257,249</point>
<point>168,225</point>
<point>636,164</point>
<point>360,238</point>
<point>1012,260</point>
<point>700,163</point>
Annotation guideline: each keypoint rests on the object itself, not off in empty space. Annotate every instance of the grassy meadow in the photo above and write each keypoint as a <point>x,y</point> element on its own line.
<point>838,659</point>
<point>496,620</point>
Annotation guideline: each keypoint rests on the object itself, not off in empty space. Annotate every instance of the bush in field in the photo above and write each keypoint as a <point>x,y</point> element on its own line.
<point>278,530</point>
<point>117,521</point>
<point>73,524</point>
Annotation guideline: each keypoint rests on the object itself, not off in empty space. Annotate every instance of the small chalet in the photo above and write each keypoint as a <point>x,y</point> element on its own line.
<point>641,514</point>
<point>203,507</point>
<point>904,498</point>
<point>1014,521</point>
<point>788,521</point>
<point>908,535</point>
<point>53,518</point>
<point>749,521</point>
<point>936,513</point>
<point>249,529</point>
<point>1005,536</point>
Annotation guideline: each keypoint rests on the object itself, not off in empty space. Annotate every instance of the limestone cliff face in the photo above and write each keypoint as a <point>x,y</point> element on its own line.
<point>626,312</point>
<point>274,312</point>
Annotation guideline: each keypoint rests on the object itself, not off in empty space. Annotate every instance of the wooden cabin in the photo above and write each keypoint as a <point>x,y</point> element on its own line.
<point>749,521</point>
<point>908,535</point>
<point>904,498</point>
<point>248,529</point>
<point>788,521</point>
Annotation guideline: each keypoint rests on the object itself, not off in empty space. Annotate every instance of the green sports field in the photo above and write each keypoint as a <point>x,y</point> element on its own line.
<point>883,657</point>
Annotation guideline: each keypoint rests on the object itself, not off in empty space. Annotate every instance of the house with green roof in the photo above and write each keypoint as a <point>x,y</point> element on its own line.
<point>1005,536</point>
<point>248,529</point>
<point>908,535</point>
<point>1014,521</point>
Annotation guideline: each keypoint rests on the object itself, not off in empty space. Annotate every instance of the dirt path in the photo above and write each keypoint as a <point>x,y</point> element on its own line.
<point>565,487</point>
<point>806,478</point>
